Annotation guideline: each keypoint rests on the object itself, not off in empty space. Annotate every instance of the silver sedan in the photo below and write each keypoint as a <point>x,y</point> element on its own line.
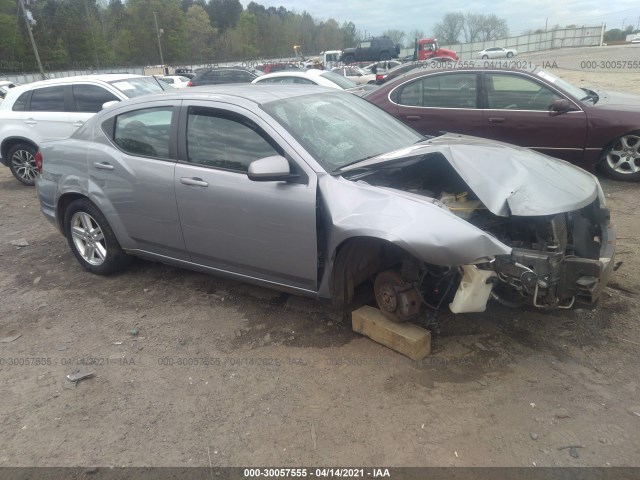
<point>317,192</point>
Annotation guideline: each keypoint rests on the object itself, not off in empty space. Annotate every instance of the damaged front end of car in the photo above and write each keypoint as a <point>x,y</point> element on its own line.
<point>457,221</point>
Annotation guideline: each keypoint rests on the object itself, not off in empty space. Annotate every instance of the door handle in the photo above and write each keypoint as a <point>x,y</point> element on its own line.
<point>78,124</point>
<point>103,166</point>
<point>496,120</point>
<point>30,121</point>
<point>193,181</point>
<point>413,118</point>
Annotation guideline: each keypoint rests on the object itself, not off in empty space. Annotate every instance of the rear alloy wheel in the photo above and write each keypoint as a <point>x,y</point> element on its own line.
<point>22,163</point>
<point>621,160</point>
<point>509,54</point>
<point>91,239</point>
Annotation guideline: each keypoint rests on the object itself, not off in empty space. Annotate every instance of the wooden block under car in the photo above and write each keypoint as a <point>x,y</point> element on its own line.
<point>405,338</point>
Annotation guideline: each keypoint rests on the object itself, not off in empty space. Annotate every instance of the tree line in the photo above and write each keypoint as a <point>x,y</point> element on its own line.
<point>80,34</point>
<point>92,34</point>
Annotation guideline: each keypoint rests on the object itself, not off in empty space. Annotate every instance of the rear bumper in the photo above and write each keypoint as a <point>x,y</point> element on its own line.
<point>46,195</point>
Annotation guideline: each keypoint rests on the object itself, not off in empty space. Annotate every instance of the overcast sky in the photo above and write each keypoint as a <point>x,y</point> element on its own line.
<point>376,16</point>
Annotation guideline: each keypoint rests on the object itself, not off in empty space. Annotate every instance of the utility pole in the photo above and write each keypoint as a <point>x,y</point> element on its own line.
<point>158,33</point>
<point>33,42</point>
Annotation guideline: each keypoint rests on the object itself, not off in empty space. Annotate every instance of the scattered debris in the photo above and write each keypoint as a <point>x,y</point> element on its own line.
<point>117,343</point>
<point>61,348</point>
<point>10,339</point>
<point>482,383</point>
<point>573,450</point>
<point>634,410</point>
<point>313,436</point>
<point>533,405</point>
<point>78,374</point>
<point>533,435</point>
<point>455,453</point>
<point>36,280</point>
<point>20,242</point>
<point>134,331</point>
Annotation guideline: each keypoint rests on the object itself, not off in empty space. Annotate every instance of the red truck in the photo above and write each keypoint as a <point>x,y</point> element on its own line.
<point>428,48</point>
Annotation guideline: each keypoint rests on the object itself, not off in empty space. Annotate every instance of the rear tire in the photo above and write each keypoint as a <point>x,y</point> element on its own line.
<point>384,56</point>
<point>621,159</point>
<point>484,57</point>
<point>348,59</point>
<point>91,239</point>
<point>509,54</point>
<point>22,163</point>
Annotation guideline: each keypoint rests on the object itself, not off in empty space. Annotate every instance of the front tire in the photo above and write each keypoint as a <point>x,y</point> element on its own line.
<point>621,159</point>
<point>91,239</point>
<point>349,59</point>
<point>21,159</point>
<point>385,56</point>
<point>484,57</point>
<point>509,54</point>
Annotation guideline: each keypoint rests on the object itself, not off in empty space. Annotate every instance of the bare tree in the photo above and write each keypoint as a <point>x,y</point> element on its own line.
<point>396,36</point>
<point>449,29</point>
<point>472,25</point>
<point>492,27</point>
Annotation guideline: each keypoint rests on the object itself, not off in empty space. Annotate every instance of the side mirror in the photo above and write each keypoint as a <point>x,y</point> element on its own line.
<point>110,103</point>
<point>270,169</point>
<point>559,107</point>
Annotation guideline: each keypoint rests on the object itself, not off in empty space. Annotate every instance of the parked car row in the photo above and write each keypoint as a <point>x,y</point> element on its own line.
<point>523,107</point>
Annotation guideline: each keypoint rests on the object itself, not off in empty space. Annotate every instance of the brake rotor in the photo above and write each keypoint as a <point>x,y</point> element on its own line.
<point>386,289</point>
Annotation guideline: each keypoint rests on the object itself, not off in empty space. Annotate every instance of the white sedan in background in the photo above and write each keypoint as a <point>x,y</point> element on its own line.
<point>355,74</point>
<point>308,77</point>
<point>497,52</point>
<point>176,81</point>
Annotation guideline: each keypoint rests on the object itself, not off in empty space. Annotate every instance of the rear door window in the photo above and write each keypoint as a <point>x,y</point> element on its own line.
<point>90,98</point>
<point>47,99</point>
<point>144,132</point>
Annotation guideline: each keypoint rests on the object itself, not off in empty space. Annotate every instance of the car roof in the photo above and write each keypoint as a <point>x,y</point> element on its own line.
<point>258,94</point>
<point>312,72</point>
<point>105,77</point>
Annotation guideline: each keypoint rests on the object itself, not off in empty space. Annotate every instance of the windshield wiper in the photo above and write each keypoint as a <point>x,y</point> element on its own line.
<point>339,169</point>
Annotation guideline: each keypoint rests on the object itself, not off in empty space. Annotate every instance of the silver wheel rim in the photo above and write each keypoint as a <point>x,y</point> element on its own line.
<point>88,238</point>
<point>624,156</point>
<point>24,164</point>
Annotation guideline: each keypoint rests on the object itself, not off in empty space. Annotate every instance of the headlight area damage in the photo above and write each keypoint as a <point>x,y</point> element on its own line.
<point>457,220</point>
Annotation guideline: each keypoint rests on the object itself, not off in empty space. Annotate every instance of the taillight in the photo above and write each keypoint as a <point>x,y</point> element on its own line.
<point>38,159</point>
<point>379,77</point>
<point>189,84</point>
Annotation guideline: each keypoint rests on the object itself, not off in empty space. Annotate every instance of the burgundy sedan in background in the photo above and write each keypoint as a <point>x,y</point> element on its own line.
<point>530,108</point>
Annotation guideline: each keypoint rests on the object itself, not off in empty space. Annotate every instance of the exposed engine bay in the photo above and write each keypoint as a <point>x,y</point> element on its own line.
<point>555,260</point>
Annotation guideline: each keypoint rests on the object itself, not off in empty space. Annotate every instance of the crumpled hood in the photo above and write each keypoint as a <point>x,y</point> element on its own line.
<point>509,180</point>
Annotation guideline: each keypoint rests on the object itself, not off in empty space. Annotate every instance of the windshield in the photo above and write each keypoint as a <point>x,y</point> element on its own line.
<point>340,129</point>
<point>575,92</point>
<point>137,86</point>
<point>339,80</point>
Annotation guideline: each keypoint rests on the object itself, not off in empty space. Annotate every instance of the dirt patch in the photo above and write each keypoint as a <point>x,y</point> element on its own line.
<point>188,365</point>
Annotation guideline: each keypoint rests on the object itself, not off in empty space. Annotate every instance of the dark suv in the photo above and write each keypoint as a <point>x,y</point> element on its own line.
<point>221,75</point>
<point>371,50</point>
